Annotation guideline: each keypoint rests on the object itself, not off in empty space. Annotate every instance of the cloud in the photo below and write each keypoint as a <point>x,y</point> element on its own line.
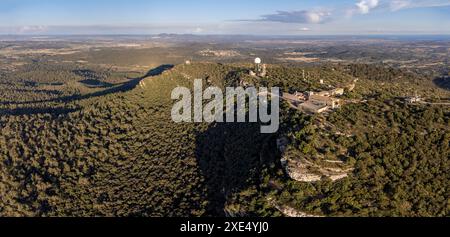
<point>31,29</point>
<point>309,17</point>
<point>107,29</point>
<point>199,30</point>
<point>305,29</point>
<point>396,5</point>
<point>365,6</point>
<point>362,7</point>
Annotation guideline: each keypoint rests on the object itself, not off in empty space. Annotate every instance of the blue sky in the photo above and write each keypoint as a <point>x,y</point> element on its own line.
<point>281,17</point>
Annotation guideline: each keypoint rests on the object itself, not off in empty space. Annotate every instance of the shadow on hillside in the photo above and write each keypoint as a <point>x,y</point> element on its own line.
<point>157,71</point>
<point>442,82</point>
<point>126,86</point>
<point>48,92</point>
<point>93,83</point>
<point>31,110</point>
<point>129,85</point>
<point>230,158</point>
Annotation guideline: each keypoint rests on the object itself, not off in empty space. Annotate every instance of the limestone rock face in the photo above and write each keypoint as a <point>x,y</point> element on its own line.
<point>299,171</point>
<point>303,170</point>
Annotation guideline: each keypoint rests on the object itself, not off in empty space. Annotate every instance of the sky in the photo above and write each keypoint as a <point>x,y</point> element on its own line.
<point>263,17</point>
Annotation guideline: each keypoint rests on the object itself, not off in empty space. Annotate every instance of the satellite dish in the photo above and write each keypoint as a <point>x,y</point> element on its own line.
<point>257,60</point>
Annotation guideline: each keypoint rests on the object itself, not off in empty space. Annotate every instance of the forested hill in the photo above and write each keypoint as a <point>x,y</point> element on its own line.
<point>120,154</point>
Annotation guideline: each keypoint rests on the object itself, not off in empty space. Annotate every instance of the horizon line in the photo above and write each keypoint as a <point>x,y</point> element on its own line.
<point>225,34</point>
